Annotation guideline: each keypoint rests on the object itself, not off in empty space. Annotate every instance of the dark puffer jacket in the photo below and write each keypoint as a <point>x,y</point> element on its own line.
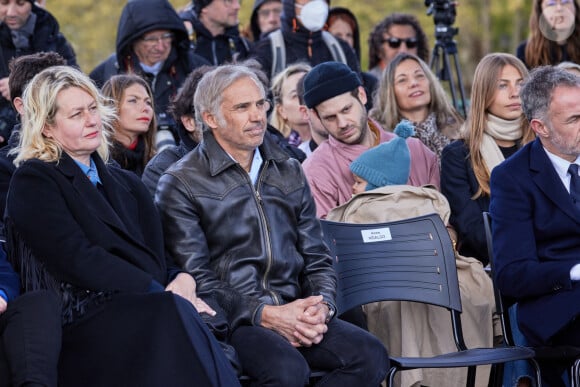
<point>250,245</point>
<point>137,18</point>
<point>301,44</point>
<point>46,37</point>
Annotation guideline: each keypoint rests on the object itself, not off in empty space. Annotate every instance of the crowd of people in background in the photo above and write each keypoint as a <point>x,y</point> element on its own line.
<point>160,214</point>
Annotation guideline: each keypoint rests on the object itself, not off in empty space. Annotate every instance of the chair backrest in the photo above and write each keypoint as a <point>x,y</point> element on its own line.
<point>407,260</point>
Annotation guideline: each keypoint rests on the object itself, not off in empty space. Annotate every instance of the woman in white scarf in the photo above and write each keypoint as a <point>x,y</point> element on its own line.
<point>495,129</point>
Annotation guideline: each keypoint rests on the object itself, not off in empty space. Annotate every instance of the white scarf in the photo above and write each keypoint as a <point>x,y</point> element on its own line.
<point>500,129</point>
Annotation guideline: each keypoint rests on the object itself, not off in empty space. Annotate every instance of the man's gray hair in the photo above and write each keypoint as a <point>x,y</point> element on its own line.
<point>209,94</point>
<point>537,91</point>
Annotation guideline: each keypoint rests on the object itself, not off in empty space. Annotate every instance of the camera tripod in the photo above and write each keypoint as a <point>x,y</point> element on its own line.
<point>440,65</point>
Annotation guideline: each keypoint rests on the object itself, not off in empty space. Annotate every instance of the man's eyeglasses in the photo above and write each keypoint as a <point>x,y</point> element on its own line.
<point>265,13</point>
<point>153,40</point>
<point>229,3</point>
<point>396,42</point>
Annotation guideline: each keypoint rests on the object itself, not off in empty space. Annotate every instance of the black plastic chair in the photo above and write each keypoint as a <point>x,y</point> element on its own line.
<point>502,305</point>
<point>408,260</point>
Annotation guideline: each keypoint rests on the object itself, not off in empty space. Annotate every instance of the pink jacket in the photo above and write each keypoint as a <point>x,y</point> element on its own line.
<point>327,169</point>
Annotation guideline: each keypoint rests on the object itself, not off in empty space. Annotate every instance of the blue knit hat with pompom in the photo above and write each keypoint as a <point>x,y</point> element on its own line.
<point>388,163</point>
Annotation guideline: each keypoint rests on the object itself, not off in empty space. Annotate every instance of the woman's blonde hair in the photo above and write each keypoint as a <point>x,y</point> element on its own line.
<point>386,109</point>
<point>483,90</point>
<point>40,108</point>
<point>276,88</point>
<point>114,91</point>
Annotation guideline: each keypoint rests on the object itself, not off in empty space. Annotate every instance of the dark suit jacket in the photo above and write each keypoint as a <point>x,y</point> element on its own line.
<point>536,235</point>
<point>108,240</point>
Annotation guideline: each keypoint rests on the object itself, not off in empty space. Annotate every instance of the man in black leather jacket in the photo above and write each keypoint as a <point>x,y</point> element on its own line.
<point>239,216</point>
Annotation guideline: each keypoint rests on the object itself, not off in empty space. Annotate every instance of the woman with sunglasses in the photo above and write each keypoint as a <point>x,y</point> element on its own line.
<point>409,90</point>
<point>554,35</point>
<point>398,32</point>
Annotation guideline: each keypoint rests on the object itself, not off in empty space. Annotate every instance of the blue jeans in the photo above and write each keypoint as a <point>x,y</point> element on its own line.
<point>514,371</point>
<point>350,355</point>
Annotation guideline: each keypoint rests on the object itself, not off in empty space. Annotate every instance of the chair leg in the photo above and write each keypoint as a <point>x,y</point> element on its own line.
<point>496,375</point>
<point>575,374</point>
<point>536,366</point>
<point>391,377</point>
<point>470,376</point>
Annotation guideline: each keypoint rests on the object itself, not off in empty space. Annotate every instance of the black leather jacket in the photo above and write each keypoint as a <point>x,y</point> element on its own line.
<point>248,245</point>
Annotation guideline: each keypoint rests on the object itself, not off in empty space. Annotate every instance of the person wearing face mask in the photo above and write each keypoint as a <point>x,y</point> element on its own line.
<point>303,39</point>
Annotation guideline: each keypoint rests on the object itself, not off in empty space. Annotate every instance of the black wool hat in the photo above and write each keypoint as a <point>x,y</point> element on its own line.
<point>327,80</point>
<point>198,5</point>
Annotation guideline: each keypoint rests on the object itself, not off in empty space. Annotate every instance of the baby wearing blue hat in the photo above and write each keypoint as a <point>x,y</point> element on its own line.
<point>388,163</point>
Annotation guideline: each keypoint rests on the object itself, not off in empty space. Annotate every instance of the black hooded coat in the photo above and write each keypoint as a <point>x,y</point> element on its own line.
<point>139,17</point>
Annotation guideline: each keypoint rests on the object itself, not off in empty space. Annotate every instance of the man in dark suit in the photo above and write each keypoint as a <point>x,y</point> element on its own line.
<point>536,216</point>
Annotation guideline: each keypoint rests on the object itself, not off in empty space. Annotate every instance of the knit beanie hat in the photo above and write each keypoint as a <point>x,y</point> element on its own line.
<point>198,5</point>
<point>388,163</point>
<point>327,80</point>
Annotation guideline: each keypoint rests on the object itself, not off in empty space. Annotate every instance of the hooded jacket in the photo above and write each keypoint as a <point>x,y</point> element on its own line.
<point>139,17</point>
<point>46,37</point>
<point>220,49</point>
<point>301,44</point>
<point>254,26</point>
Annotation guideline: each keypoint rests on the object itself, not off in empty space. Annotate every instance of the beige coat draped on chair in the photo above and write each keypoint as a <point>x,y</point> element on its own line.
<point>413,329</point>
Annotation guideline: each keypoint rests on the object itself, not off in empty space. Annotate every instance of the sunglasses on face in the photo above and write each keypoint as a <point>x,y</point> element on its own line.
<point>396,42</point>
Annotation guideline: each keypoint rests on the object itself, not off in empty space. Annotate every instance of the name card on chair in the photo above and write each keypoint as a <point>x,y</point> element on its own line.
<point>376,235</point>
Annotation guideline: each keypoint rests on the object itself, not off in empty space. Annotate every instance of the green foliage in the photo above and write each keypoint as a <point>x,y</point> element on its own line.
<point>484,25</point>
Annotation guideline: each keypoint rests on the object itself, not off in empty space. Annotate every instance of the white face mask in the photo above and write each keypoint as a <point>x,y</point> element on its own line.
<point>313,15</point>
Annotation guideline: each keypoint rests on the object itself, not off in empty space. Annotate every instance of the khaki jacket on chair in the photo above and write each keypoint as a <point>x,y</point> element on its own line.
<point>413,329</point>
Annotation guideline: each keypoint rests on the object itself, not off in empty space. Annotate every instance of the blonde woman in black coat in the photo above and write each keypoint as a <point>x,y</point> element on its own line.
<point>90,232</point>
